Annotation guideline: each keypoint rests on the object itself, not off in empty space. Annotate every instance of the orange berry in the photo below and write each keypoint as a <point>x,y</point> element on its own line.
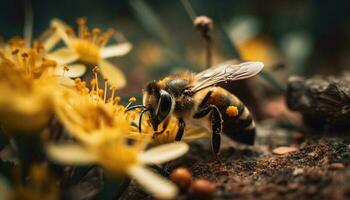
<point>203,189</point>
<point>181,177</point>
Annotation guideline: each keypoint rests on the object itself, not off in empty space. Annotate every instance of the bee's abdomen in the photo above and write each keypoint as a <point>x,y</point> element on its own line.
<point>238,123</point>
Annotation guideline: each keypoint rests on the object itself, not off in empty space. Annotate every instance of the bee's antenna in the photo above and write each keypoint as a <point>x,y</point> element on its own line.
<point>134,107</point>
<point>140,119</point>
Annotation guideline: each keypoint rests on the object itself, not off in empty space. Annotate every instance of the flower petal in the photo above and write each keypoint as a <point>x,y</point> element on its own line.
<point>71,154</point>
<point>65,81</point>
<point>5,189</point>
<point>114,75</point>
<point>63,56</point>
<point>158,186</point>
<point>61,28</point>
<point>116,50</point>
<point>51,41</point>
<point>195,133</point>
<point>163,153</point>
<point>75,70</point>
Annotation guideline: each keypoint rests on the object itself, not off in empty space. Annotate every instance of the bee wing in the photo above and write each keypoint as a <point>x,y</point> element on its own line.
<point>225,72</point>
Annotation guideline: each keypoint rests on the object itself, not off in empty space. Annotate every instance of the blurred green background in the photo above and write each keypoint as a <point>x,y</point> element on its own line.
<point>306,37</point>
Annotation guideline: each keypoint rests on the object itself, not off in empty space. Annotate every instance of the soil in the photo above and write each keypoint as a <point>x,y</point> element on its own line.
<point>319,169</point>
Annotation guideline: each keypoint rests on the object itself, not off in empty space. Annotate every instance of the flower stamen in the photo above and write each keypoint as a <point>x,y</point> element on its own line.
<point>105,90</point>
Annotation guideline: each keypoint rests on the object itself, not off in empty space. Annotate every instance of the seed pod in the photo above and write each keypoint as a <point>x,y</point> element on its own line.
<point>203,24</point>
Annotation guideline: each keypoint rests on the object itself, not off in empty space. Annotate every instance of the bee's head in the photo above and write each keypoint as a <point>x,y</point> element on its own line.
<point>159,103</point>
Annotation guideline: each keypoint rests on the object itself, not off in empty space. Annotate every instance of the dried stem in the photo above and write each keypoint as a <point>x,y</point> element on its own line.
<point>204,24</point>
<point>208,42</point>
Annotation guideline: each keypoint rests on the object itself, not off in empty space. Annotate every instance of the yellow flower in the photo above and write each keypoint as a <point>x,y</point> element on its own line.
<point>102,126</point>
<point>120,159</point>
<point>168,136</point>
<point>87,47</point>
<point>40,186</point>
<point>26,86</point>
<point>259,48</point>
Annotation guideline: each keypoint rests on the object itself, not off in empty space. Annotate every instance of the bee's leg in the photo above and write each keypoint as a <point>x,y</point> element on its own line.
<point>164,127</point>
<point>216,125</point>
<point>180,131</point>
<point>205,99</point>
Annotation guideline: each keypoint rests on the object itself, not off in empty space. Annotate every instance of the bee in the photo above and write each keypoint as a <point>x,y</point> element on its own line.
<point>196,99</point>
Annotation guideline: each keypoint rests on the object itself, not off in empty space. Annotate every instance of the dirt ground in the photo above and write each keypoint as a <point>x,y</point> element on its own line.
<point>317,170</point>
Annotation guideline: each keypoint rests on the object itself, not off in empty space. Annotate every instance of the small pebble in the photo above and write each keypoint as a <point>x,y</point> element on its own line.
<point>203,189</point>
<point>181,177</point>
<point>312,190</point>
<point>298,171</point>
<point>284,150</point>
<point>298,137</point>
<point>336,166</point>
<point>293,186</point>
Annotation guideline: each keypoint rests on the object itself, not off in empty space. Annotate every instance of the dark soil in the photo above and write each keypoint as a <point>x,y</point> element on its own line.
<point>256,173</point>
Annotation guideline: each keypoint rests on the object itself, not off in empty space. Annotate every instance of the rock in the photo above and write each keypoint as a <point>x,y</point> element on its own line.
<point>298,171</point>
<point>336,166</point>
<point>284,150</point>
<point>323,102</point>
<point>293,186</point>
<point>298,137</point>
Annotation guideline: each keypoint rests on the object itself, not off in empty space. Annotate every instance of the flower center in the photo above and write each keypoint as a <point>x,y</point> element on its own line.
<point>20,67</point>
<point>117,158</point>
<point>88,51</point>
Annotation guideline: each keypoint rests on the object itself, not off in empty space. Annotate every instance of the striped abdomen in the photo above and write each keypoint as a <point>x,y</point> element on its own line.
<point>238,123</point>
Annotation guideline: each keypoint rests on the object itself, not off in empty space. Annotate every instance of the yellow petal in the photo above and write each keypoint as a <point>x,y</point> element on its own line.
<point>51,41</point>
<point>63,56</point>
<point>65,81</point>
<point>74,70</point>
<point>24,113</point>
<point>195,133</point>
<point>114,75</point>
<point>116,50</point>
<point>158,186</point>
<point>66,112</point>
<point>61,28</point>
<point>163,153</point>
<point>5,189</point>
<point>70,154</point>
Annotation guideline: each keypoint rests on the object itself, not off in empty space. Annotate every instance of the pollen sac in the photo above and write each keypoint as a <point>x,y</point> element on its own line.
<point>232,111</point>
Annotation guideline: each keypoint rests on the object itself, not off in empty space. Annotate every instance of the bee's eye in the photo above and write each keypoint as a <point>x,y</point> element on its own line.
<point>164,104</point>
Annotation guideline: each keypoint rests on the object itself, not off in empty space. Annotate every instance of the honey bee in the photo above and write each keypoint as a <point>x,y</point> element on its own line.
<point>195,99</point>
